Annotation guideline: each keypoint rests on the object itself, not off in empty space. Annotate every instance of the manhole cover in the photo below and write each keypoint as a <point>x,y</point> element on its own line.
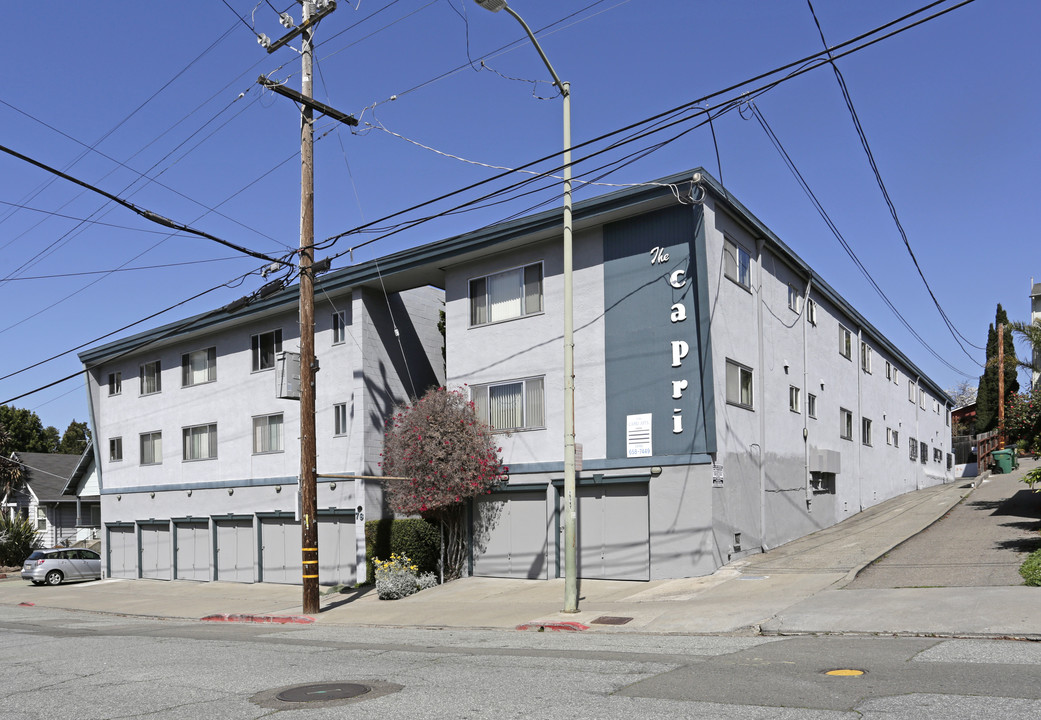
<point>322,692</point>
<point>611,620</point>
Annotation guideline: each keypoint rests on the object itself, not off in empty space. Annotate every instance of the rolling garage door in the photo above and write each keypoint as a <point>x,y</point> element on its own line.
<point>510,535</point>
<point>236,555</point>
<point>192,550</point>
<point>121,547</point>
<point>337,550</point>
<point>156,551</point>
<point>280,551</point>
<point>613,532</point>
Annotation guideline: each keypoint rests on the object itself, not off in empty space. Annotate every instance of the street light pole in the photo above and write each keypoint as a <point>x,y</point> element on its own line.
<point>570,503</point>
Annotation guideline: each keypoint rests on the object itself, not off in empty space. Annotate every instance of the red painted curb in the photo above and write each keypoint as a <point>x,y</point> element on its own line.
<point>277,619</point>
<point>26,604</point>
<point>556,627</point>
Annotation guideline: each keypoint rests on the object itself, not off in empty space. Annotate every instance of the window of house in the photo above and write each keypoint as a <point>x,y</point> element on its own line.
<point>896,438</point>
<point>340,419</point>
<point>199,442</point>
<point>737,263</point>
<point>115,449</point>
<point>514,405</point>
<point>889,370</point>
<point>267,434</point>
<point>793,399</point>
<point>921,398</point>
<point>937,455</point>
<point>865,431</point>
<point>912,392</point>
<point>811,405</point>
<point>811,312</point>
<point>506,295</point>
<point>889,436</point>
<point>924,453</point>
<point>115,383</point>
<point>845,343</point>
<point>199,367</point>
<point>865,357</point>
<point>151,378</point>
<point>41,519</point>
<point>912,449</point>
<point>845,424</point>
<point>151,448</point>
<point>896,376</point>
<point>265,347</point>
<point>948,417</point>
<point>794,298</point>
<point>739,385</point>
<point>339,327</point>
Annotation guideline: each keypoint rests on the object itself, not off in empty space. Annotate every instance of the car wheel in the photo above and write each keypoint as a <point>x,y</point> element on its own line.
<point>54,577</point>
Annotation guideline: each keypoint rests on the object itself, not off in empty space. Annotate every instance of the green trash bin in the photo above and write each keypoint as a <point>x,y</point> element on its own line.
<point>1003,460</point>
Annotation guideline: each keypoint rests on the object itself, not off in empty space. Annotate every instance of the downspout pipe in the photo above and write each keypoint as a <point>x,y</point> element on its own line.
<point>760,243</point>
<point>806,391</point>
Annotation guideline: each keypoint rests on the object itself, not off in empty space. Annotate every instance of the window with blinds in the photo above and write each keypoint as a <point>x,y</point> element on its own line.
<point>514,405</point>
<point>506,295</point>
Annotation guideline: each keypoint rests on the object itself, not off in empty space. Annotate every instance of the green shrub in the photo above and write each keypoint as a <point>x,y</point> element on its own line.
<point>1031,569</point>
<point>419,539</point>
<point>18,538</point>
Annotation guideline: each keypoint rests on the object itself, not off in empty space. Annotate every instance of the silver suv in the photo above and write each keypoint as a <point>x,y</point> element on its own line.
<point>55,566</point>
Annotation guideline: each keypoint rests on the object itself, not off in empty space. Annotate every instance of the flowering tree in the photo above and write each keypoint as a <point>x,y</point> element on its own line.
<point>444,455</point>
<point>1023,418</point>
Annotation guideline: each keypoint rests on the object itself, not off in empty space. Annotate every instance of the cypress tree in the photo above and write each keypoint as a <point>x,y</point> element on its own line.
<point>987,398</point>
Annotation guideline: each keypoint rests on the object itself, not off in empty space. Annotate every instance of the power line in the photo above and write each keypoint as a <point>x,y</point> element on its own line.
<point>125,269</point>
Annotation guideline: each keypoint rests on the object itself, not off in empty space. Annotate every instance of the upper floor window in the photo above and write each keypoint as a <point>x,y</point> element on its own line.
<point>912,449</point>
<point>737,263</point>
<point>912,391</point>
<point>115,383</point>
<point>865,431</point>
<point>811,405</point>
<point>267,434</point>
<point>115,449</point>
<point>845,424</point>
<point>339,327</point>
<point>200,442</point>
<point>515,405</point>
<point>151,378</point>
<point>199,367</point>
<point>889,370</point>
<point>794,298</point>
<point>739,385</point>
<point>265,347</point>
<point>506,295</point>
<point>340,419</point>
<point>151,448</point>
<point>896,376</point>
<point>793,399</point>
<point>921,398</point>
<point>811,312</point>
<point>865,357</point>
<point>845,343</point>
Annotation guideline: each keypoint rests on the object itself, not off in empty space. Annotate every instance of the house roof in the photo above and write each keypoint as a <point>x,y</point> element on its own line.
<point>48,473</point>
<point>1036,290</point>
<point>425,264</point>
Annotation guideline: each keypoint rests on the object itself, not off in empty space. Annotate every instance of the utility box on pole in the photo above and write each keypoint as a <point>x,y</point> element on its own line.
<point>287,376</point>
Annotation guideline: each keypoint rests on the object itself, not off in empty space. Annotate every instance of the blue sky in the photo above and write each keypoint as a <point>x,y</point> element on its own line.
<point>949,109</point>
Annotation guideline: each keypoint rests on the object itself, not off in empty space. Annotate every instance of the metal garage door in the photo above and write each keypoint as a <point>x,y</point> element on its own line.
<point>613,532</point>
<point>280,551</point>
<point>192,550</point>
<point>156,551</point>
<point>121,547</point>
<point>236,555</point>
<point>337,550</point>
<point>510,535</point>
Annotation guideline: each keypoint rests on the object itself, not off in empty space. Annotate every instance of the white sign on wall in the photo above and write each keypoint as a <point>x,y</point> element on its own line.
<point>638,435</point>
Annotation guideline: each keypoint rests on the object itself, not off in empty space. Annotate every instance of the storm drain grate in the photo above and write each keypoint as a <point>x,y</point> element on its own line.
<point>610,620</point>
<point>322,692</point>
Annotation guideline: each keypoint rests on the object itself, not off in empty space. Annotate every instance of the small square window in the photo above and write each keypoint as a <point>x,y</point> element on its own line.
<point>737,263</point>
<point>794,403</point>
<point>811,405</point>
<point>115,383</point>
<point>199,367</point>
<point>340,419</point>
<point>865,431</point>
<point>151,378</point>
<point>845,424</point>
<point>265,347</point>
<point>115,449</point>
<point>845,343</point>
<point>739,385</point>
<point>199,442</point>
<point>151,448</point>
<point>267,434</point>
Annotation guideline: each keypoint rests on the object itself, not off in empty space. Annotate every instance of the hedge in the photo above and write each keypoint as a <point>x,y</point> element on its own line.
<point>415,537</point>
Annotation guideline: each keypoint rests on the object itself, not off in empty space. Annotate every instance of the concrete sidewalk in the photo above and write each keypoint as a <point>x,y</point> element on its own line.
<point>796,588</point>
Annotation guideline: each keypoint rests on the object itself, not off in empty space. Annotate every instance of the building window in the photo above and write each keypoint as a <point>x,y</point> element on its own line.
<point>115,449</point>
<point>896,438</point>
<point>737,263</point>
<point>265,347</point>
<point>948,417</point>
<point>200,442</point>
<point>845,424</point>
<point>811,405</point>
<point>865,357</point>
<point>912,449</point>
<point>889,370</point>
<point>199,367</point>
<point>151,448</point>
<point>793,399</point>
<point>506,295</point>
<point>865,431</point>
<point>937,455</point>
<point>845,343</point>
<point>41,519</point>
<point>340,419</point>
<point>516,405</point>
<point>794,299</point>
<point>811,312</point>
<point>896,376</point>
<point>267,434</point>
<point>151,378</point>
<point>739,385</point>
<point>911,391</point>
<point>339,327</point>
<point>115,383</point>
<point>921,398</point>
<point>924,453</point>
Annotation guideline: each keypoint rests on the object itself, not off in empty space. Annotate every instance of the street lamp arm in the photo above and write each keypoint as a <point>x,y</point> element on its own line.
<point>556,78</point>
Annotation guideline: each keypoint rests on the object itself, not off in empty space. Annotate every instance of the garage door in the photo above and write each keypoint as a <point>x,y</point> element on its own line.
<point>337,550</point>
<point>121,546</point>
<point>280,551</point>
<point>156,551</point>
<point>192,550</point>
<point>613,532</point>
<point>236,555</point>
<point>510,531</point>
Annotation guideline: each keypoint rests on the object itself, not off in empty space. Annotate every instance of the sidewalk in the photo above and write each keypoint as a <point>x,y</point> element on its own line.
<point>795,588</point>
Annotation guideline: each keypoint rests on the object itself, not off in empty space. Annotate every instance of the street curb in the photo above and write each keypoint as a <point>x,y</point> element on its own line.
<point>555,626</point>
<point>276,619</point>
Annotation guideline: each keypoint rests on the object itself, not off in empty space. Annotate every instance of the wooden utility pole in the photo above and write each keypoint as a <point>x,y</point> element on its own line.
<point>1001,386</point>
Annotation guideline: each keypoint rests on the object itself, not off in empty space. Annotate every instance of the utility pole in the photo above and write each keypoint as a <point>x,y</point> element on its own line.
<point>1001,386</point>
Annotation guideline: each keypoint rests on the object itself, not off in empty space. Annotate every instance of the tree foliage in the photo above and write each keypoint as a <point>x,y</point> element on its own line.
<point>24,430</point>
<point>18,538</point>
<point>987,398</point>
<point>444,455</point>
<point>75,439</point>
<point>1023,418</point>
